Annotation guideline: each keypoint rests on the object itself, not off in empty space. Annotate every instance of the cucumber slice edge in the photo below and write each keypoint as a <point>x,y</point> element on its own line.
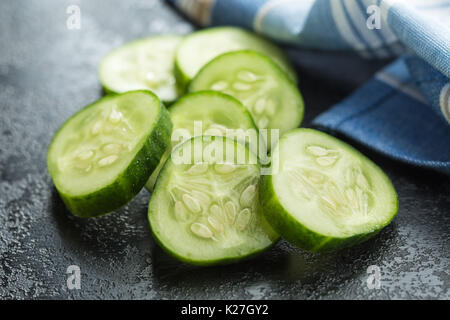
<point>300,234</point>
<point>283,62</point>
<point>179,105</point>
<point>125,186</point>
<point>173,251</point>
<point>300,108</point>
<point>128,45</point>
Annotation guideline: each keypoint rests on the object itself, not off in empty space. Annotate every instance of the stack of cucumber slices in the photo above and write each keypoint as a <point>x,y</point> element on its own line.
<point>203,158</point>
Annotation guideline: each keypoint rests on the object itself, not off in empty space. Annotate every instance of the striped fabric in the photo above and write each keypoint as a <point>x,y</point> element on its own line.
<point>407,114</point>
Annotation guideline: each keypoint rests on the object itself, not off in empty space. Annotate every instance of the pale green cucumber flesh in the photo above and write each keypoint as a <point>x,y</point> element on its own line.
<point>324,194</point>
<point>263,88</point>
<point>205,210</point>
<point>208,113</point>
<point>202,46</point>
<point>145,64</point>
<point>102,156</point>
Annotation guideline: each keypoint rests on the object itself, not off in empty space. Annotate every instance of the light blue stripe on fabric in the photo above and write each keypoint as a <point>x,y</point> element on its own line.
<point>430,81</point>
<point>385,50</point>
<point>283,19</point>
<point>429,40</point>
<point>399,71</point>
<point>385,32</point>
<point>306,23</point>
<point>236,12</point>
<point>393,123</point>
<point>398,76</point>
<point>440,4</point>
<point>355,29</point>
<point>402,112</point>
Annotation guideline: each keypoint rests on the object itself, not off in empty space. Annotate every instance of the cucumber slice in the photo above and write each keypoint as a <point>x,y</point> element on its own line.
<point>214,111</point>
<point>145,64</point>
<point>326,195</point>
<point>207,211</point>
<point>202,46</point>
<point>102,156</point>
<point>273,100</point>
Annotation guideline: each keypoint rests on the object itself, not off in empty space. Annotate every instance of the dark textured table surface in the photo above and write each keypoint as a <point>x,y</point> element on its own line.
<point>47,72</point>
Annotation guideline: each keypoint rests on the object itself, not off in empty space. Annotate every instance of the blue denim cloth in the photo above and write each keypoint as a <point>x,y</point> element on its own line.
<point>404,111</point>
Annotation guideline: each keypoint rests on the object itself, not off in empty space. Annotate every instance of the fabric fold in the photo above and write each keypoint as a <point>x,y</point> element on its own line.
<point>404,111</point>
<point>389,115</point>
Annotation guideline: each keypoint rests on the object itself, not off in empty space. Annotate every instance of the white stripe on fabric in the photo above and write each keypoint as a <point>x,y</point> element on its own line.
<point>445,101</point>
<point>345,29</point>
<point>263,11</point>
<point>360,20</point>
<point>401,86</point>
<point>388,35</point>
